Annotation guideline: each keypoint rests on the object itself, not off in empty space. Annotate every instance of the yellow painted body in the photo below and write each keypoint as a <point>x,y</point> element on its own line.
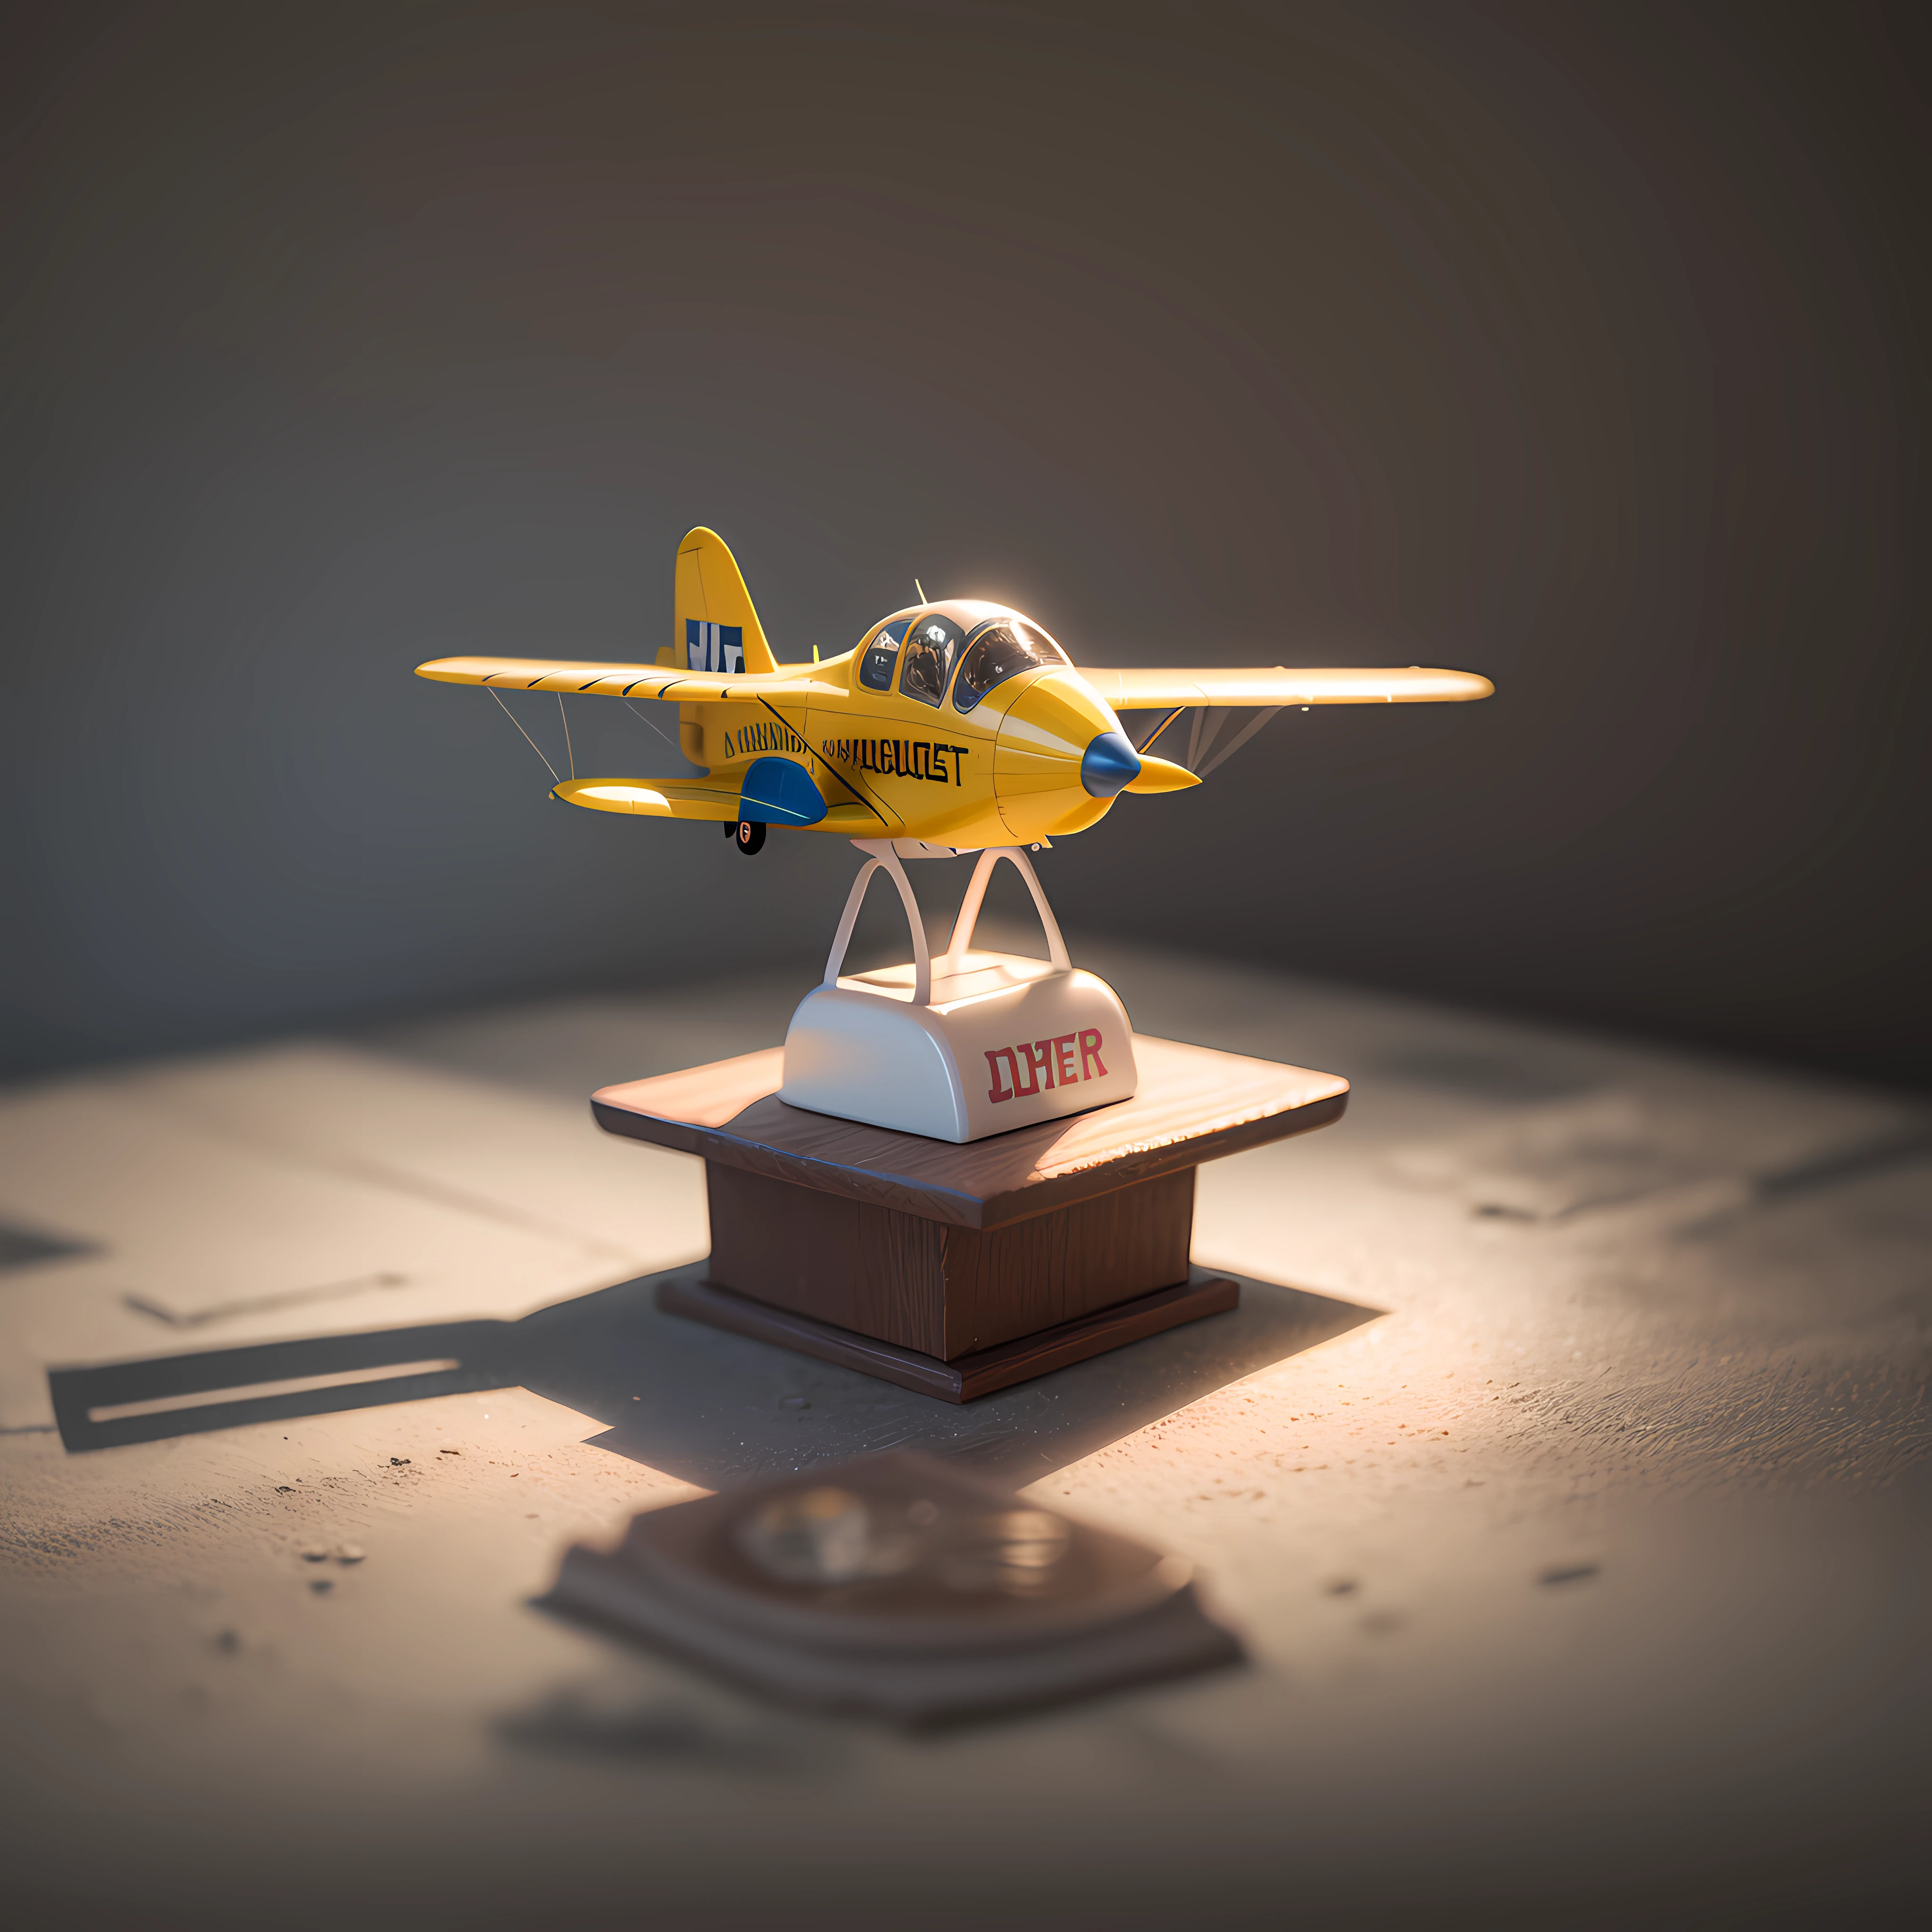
<point>1006,770</point>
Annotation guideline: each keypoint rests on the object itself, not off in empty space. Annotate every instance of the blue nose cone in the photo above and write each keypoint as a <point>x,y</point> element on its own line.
<point>1110,765</point>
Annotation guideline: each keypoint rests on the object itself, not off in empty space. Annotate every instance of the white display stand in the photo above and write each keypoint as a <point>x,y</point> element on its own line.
<point>965,1045</point>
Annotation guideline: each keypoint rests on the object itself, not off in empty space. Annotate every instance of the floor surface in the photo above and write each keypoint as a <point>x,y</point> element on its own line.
<point>1564,1472</point>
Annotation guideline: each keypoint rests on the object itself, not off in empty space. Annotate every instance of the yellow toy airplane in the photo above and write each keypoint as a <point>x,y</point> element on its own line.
<point>960,724</point>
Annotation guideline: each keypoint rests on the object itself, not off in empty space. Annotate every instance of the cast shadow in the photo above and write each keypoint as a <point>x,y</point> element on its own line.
<point>706,1406</point>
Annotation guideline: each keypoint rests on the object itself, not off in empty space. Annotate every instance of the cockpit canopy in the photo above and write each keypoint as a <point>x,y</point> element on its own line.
<point>931,645</point>
<point>876,660</point>
<point>998,649</point>
<point>930,648</point>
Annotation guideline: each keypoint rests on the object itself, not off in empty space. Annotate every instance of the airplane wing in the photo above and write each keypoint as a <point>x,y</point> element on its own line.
<point>654,798</point>
<point>1124,690</point>
<point>628,680</point>
<point>1164,690</point>
<point>715,799</point>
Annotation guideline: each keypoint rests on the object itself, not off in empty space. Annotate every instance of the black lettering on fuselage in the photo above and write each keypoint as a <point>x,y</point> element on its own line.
<point>742,742</point>
<point>899,757</point>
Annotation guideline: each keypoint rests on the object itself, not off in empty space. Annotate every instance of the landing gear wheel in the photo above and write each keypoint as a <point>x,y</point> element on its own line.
<point>751,836</point>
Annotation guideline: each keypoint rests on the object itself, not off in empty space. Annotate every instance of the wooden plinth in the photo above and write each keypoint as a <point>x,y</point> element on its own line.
<point>944,1291</point>
<point>960,1269</point>
<point>977,1374</point>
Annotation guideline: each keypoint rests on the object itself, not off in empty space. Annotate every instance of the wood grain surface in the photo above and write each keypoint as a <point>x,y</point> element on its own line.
<point>970,1376</point>
<point>945,1290</point>
<point>1194,1104</point>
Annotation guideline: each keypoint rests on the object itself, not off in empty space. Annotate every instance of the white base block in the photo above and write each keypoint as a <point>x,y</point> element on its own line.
<point>1004,1043</point>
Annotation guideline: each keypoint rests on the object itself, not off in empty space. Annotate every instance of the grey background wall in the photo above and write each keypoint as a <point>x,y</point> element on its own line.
<point>1581,345</point>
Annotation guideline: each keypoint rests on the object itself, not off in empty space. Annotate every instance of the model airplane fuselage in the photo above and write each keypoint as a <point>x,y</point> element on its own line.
<point>958,724</point>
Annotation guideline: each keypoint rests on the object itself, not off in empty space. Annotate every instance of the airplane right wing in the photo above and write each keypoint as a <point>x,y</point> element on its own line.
<point>1164,690</point>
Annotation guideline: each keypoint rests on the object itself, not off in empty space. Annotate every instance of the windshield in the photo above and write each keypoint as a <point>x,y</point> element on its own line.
<point>999,650</point>
<point>875,664</point>
<point>929,652</point>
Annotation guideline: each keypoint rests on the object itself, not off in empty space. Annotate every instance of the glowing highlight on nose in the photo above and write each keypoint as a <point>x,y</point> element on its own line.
<point>1110,767</point>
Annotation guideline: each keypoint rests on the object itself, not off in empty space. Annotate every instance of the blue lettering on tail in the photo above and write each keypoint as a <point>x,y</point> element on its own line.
<point>714,647</point>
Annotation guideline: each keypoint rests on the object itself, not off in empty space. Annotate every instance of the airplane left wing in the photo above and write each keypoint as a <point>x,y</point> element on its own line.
<point>631,680</point>
<point>1164,690</point>
<point>654,798</point>
<point>713,798</point>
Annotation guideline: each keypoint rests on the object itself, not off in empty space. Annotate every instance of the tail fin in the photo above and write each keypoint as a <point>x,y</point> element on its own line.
<point>716,627</point>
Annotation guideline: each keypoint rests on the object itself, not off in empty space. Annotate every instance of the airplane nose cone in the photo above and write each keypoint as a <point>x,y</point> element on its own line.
<point>1110,765</point>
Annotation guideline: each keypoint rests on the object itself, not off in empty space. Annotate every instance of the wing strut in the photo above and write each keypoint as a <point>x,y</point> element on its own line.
<point>635,712</point>
<point>1228,750</point>
<point>527,739</point>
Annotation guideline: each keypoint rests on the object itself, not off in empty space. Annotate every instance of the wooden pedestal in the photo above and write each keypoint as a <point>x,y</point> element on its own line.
<point>958,1269</point>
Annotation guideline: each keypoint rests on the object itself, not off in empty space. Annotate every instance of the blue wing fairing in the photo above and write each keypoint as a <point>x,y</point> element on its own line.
<point>777,792</point>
